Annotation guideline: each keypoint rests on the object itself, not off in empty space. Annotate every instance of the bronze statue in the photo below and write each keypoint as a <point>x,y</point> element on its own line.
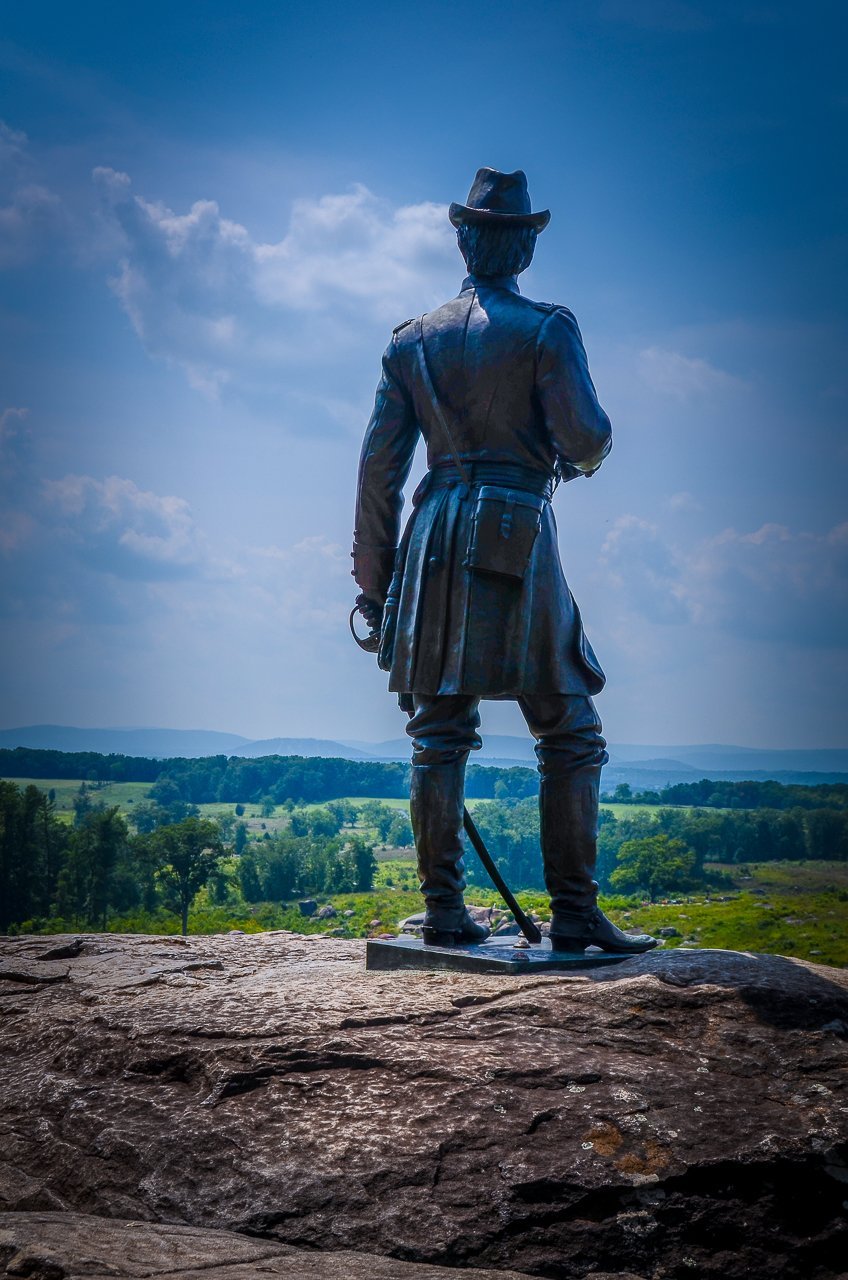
<point>471,602</point>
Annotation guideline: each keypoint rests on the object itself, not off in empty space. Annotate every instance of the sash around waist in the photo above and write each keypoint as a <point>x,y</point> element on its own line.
<point>508,474</point>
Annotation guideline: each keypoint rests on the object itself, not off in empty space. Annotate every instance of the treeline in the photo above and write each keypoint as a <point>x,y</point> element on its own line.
<point>302,779</point>
<point>55,876</point>
<point>738,795</point>
<point>673,846</point>
<point>88,766</point>
<point>311,779</point>
<point>219,779</point>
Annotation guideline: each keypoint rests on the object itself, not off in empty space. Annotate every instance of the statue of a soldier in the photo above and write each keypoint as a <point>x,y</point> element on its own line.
<point>472,603</point>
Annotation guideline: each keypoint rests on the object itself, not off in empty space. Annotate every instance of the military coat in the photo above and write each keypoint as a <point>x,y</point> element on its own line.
<point>513,383</point>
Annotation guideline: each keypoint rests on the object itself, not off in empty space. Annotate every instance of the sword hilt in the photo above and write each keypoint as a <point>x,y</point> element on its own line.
<point>371,642</point>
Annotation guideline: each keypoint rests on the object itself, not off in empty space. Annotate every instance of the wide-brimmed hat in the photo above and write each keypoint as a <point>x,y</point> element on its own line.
<point>499,197</point>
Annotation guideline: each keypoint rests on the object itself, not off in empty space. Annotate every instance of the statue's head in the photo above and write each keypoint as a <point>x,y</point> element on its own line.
<point>491,250</point>
<point>496,229</point>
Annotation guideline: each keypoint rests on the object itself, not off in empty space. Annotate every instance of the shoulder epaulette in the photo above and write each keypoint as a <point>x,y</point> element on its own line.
<point>551,307</point>
<point>402,325</point>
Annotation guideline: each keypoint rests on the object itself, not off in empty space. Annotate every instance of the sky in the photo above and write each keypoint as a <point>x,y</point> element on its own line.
<point>211,218</point>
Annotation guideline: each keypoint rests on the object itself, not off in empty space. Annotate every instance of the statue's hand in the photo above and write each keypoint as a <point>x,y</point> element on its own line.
<point>371,610</point>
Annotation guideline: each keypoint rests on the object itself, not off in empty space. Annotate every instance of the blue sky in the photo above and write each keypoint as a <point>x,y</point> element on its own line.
<point>211,219</point>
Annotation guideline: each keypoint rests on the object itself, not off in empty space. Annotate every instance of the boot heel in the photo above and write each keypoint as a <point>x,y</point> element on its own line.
<point>440,937</point>
<point>561,943</point>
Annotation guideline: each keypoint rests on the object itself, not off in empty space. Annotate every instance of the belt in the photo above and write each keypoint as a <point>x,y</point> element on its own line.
<point>511,475</point>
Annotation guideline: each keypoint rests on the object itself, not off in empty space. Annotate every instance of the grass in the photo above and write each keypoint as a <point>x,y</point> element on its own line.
<point>784,908</point>
<point>791,909</point>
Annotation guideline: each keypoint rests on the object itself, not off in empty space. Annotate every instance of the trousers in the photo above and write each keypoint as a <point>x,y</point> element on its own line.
<point>570,752</point>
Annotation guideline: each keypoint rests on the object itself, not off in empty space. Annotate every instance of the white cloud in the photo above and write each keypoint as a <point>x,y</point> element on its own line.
<point>29,211</point>
<point>15,461</point>
<point>304,587</point>
<point>11,427</point>
<point>683,501</point>
<point>355,248</point>
<point>774,584</point>
<point>200,292</point>
<point>126,531</point>
<point>771,584</point>
<point>645,570</point>
<point>683,377</point>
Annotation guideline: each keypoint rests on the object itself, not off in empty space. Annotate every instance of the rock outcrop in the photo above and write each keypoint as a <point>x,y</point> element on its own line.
<point>76,1246</point>
<point>681,1114</point>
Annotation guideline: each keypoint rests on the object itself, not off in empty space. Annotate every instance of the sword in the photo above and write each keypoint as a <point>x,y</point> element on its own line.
<point>531,931</point>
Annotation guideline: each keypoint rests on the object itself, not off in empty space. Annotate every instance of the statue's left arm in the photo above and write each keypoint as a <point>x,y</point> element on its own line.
<point>580,430</point>
<point>384,464</point>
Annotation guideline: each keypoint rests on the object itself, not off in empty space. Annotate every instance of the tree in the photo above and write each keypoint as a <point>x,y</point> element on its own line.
<point>83,805</point>
<point>399,834</point>
<point>165,792</point>
<point>378,816</point>
<point>365,864</point>
<point>346,812</point>
<point>248,878</point>
<point>654,865</point>
<point>226,823</point>
<point>187,854</point>
<point>148,815</point>
<point>32,850</point>
<point>97,846</point>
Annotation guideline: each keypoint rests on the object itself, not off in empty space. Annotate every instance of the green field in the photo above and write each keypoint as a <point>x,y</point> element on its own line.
<point>122,794</point>
<point>628,810</point>
<point>126,794</point>
<point>359,801</point>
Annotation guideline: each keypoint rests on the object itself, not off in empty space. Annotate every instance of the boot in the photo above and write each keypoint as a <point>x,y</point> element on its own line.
<point>568,802</point>
<point>595,930</point>
<point>435,804</point>
<point>443,928</point>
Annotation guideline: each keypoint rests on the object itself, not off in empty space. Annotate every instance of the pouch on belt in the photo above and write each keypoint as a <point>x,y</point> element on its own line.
<point>504,529</point>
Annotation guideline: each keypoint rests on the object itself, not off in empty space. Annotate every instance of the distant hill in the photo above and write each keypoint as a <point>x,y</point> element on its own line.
<point>326,747</point>
<point>161,744</point>
<point>642,766</point>
<point>719,756</point>
<point>157,743</point>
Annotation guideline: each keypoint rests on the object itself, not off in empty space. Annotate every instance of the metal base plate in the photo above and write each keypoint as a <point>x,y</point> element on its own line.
<point>497,955</point>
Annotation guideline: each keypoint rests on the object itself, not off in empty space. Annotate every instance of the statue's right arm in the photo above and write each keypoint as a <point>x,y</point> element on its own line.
<point>384,465</point>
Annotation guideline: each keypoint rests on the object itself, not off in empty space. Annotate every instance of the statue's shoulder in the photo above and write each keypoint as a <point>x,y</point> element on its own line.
<point>404,324</point>
<point>557,324</point>
<point>552,308</point>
